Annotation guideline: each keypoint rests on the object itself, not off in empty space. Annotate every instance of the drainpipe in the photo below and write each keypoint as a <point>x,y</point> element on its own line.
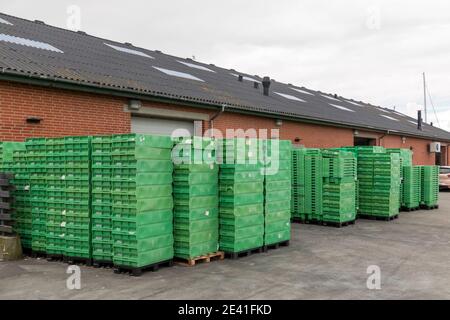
<point>216,115</point>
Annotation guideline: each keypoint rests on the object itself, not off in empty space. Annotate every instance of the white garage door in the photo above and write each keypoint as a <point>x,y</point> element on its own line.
<point>157,126</point>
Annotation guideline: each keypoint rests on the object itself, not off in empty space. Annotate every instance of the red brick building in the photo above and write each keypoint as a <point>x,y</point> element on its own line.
<point>55,82</point>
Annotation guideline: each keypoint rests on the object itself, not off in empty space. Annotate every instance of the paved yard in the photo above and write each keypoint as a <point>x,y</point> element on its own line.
<point>412,252</point>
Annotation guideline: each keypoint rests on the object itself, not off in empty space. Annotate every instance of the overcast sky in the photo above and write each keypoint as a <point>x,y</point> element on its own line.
<point>374,51</point>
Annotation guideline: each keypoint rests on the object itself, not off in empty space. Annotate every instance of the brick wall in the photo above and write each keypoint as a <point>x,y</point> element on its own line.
<point>62,112</point>
<point>67,112</point>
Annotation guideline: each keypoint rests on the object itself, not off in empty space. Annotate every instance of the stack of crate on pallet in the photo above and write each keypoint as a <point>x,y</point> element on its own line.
<point>405,161</point>
<point>36,154</point>
<point>101,177</point>
<point>298,185</point>
<point>77,208</point>
<point>277,191</point>
<point>429,187</point>
<point>379,184</point>
<point>22,205</point>
<point>411,187</point>
<point>307,195</point>
<point>196,198</point>
<point>56,202</point>
<point>142,202</point>
<point>241,201</point>
<point>339,186</point>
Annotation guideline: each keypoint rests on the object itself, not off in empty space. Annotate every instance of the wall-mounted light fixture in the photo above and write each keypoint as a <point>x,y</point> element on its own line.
<point>134,104</point>
<point>404,140</point>
<point>278,122</point>
<point>355,132</point>
<point>34,120</point>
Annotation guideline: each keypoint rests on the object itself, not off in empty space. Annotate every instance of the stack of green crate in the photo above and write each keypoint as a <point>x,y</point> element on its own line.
<point>405,161</point>
<point>77,208</point>
<point>429,186</point>
<point>277,191</point>
<point>339,186</point>
<point>307,184</point>
<point>36,156</point>
<point>313,185</point>
<point>56,202</point>
<point>379,184</point>
<point>411,187</point>
<point>22,205</point>
<point>142,202</point>
<point>241,200</point>
<point>101,177</point>
<point>196,199</point>
<point>298,184</point>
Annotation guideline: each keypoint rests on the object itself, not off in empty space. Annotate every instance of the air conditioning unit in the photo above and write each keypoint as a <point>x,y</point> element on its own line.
<point>435,147</point>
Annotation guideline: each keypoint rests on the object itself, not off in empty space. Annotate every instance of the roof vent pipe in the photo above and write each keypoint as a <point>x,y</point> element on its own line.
<point>266,85</point>
<point>240,78</point>
<point>419,120</point>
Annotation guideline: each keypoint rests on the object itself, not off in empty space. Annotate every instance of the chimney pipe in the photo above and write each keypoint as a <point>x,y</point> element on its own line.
<point>240,78</point>
<point>266,85</point>
<point>419,120</point>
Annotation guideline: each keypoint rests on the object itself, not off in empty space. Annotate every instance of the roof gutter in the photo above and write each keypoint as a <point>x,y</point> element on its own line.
<point>67,84</point>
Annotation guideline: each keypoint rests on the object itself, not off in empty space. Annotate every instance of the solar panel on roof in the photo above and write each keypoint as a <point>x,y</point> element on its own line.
<point>387,117</point>
<point>28,43</point>
<point>5,22</point>
<point>288,96</point>
<point>302,91</point>
<point>178,74</point>
<point>195,66</point>
<point>130,51</point>
<point>354,103</point>
<point>341,107</point>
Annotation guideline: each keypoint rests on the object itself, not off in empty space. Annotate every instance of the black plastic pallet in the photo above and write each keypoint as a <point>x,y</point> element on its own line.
<point>298,220</point>
<point>425,207</point>
<point>38,254</point>
<point>277,245</point>
<point>338,224</point>
<point>78,260</point>
<point>55,257</point>
<point>378,218</point>
<point>243,253</point>
<point>406,209</point>
<point>137,272</point>
<point>102,264</point>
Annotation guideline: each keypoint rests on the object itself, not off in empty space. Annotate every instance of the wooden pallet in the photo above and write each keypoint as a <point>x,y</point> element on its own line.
<point>219,255</point>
